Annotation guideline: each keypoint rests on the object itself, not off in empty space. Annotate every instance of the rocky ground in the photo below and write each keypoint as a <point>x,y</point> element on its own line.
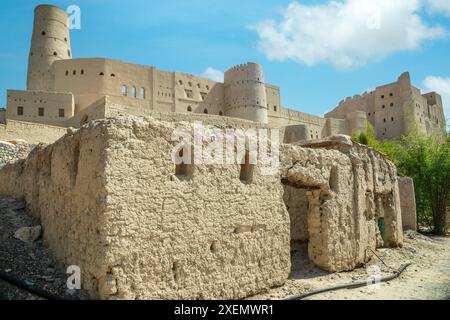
<point>28,260</point>
<point>428,278</point>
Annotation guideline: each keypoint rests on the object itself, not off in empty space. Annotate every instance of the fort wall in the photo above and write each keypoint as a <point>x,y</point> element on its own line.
<point>53,108</point>
<point>129,239</point>
<point>33,133</point>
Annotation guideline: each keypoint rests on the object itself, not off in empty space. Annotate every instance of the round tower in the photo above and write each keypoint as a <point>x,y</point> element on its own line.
<point>245,93</point>
<point>50,42</point>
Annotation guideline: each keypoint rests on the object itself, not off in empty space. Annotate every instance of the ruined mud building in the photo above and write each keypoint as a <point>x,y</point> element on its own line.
<point>111,200</point>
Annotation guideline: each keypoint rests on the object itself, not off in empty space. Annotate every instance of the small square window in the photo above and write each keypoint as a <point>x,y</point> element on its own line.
<point>20,111</point>
<point>41,112</point>
<point>382,97</point>
<point>61,113</point>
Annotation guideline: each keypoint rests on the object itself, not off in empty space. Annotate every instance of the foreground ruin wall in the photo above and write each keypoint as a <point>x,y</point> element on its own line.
<point>110,202</point>
<point>345,189</point>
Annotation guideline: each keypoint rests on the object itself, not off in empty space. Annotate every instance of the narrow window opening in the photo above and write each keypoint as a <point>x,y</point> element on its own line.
<point>142,93</point>
<point>247,169</point>
<point>124,90</point>
<point>189,94</point>
<point>220,113</point>
<point>185,170</point>
<point>333,181</point>
<point>61,113</point>
<point>101,74</point>
<point>133,92</point>
<point>189,109</point>
<point>82,71</point>
<point>205,111</point>
<point>41,112</point>
<point>20,111</point>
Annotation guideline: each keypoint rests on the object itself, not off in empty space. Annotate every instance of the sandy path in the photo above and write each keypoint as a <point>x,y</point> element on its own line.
<point>428,277</point>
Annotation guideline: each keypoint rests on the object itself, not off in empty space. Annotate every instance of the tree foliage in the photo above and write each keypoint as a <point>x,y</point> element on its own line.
<point>426,159</point>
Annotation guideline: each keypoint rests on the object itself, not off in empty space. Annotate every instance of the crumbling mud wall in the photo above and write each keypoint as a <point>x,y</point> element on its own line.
<point>110,202</point>
<point>349,188</point>
<point>408,203</point>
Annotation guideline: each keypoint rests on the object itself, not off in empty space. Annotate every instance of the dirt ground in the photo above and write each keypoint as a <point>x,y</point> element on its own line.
<point>428,278</point>
<point>31,263</point>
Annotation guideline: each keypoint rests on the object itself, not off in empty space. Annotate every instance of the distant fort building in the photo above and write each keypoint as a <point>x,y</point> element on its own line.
<point>66,92</point>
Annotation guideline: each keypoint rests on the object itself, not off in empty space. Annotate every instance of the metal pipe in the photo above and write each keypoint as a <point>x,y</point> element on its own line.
<point>352,285</point>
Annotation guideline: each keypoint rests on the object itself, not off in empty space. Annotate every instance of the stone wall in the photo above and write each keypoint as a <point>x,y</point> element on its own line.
<point>10,152</point>
<point>408,203</point>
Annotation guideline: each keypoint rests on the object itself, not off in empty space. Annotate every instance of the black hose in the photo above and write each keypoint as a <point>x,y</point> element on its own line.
<point>21,284</point>
<point>352,285</point>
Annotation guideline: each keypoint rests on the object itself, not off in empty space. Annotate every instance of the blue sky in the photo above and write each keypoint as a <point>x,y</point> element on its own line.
<point>318,52</point>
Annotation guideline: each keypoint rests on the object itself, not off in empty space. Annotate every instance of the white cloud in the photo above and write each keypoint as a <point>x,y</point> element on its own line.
<point>213,74</point>
<point>345,33</point>
<point>439,6</point>
<point>441,86</point>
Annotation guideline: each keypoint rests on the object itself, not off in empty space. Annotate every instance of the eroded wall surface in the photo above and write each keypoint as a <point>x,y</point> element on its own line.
<point>348,187</point>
